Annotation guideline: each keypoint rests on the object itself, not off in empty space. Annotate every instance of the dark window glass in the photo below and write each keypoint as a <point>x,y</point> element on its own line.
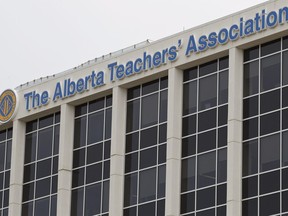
<point>270,47</point>
<point>250,207</point>
<point>221,211</point>
<point>107,149</point>
<point>55,165</point>
<point>208,68</point>
<point>94,153</point>
<point>57,117</point>
<point>30,126</point>
<point>109,100</point>
<point>130,211</point>
<point>188,146</point>
<point>223,62</point>
<point>96,105</point>
<point>105,201</point>
<point>222,115</point>
<point>190,74</point>
<point>78,158</point>
<point>270,72</point>
<point>284,202</point>
<point>221,194</point>
<point>207,92</point>
<point>162,133</point>
<point>133,109</point>
<point>42,207</point>
<point>210,212</point>
<point>147,185</point>
<point>29,173</point>
<point>222,165</point>
<point>133,92</point>
<point>132,142</point>
<point>54,184</point>
<point>251,53</point>
<point>77,202</point>
<point>207,120</point>
<point>188,174</point>
<point>164,82</point>
<point>8,154</point>
<point>250,107</point>
<point>53,206</point>
<point>130,189</point>
<point>270,205</point>
<point>284,178</point>
<point>30,147</point>
<point>250,187</point>
<point>2,156</point>
<point>162,154</point>
<point>190,97</point>
<point>78,177</point>
<point>285,119</point>
<point>95,127</point>
<point>270,101</point>
<point>207,141</point>
<point>131,162</point>
<point>80,110</point>
<point>9,133</point>
<point>106,172</point>
<point>223,87</point>
<point>206,169</point>
<point>45,139</point>
<point>161,181</point>
<point>270,123</point>
<point>251,78</point>
<point>28,192</point>
<point>93,173</point>
<point>27,209</point>
<point>43,168</point>
<point>222,137</point>
<point>285,68</point>
<point>250,128</point>
<point>206,198</point>
<point>187,202</point>
<point>250,157</point>
<point>149,110</point>
<point>42,187</point>
<point>284,97</point>
<point>93,199</point>
<point>46,121</point>
<point>80,132</point>
<point>161,208</point>
<point>265,182</point>
<point>150,87</point>
<point>270,152</point>
<point>148,137</point>
<point>163,106</point>
<point>108,123</point>
<point>147,209</point>
<point>56,139</point>
<point>285,42</point>
<point>3,135</point>
<point>148,157</point>
<point>7,179</point>
<point>189,125</point>
<point>285,149</point>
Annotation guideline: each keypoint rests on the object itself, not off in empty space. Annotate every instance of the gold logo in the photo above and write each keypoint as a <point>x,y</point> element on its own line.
<point>7,105</point>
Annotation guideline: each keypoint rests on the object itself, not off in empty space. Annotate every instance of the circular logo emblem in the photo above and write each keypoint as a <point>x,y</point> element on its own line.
<point>8,103</point>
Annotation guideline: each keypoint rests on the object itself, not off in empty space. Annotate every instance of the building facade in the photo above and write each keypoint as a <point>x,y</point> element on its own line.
<point>195,124</point>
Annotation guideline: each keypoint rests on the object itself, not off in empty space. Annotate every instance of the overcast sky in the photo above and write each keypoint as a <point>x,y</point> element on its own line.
<point>44,37</point>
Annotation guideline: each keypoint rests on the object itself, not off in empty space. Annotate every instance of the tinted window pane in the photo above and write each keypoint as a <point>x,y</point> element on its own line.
<point>251,53</point>
<point>250,157</point>
<point>130,211</point>
<point>222,115</point>
<point>95,127</point>
<point>189,97</point>
<point>78,177</point>
<point>270,205</point>
<point>270,47</point>
<point>222,165</point>
<point>270,72</point>
<point>284,97</point>
<point>206,169</point>
<point>133,92</point>
<point>56,139</point>
<point>93,173</point>
<point>164,82</point>
<point>148,137</point>
<point>284,178</point>
<point>80,132</point>
<point>189,146</point>
<point>162,154</point>
<point>30,147</point>
<point>28,192</point>
<point>249,207</point>
<point>147,209</point>
<point>42,207</point>
<point>285,68</point>
<point>270,152</point>
<point>189,125</point>
<point>30,126</point>
<point>161,208</point>
<point>96,104</point>
<point>251,78</point>
<point>162,133</point>
<point>187,202</point>
<point>81,109</point>
<point>190,74</point>
<point>250,107</point>
<point>223,62</point>
<point>130,197</point>
<point>250,187</point>
<point>94,153</point>
<point>163,106</point>
<point>147,185</point>
<point>270,123</point>
<point>285,149</point>
<point>270,101</point>
<point>223,87</point>
<point>46,121</point>
<point>221,194</point>
<point>285,119</point>
<point>108,122</point>
<point>222,137</point>
<point>161,181</point>
<point>208,92</point>
<point>93,199</point>
<point>265,182</point>
<point>45,138</point>
<point>148,157</point>
<point>42,188</point>
<point>207,141</point>
<point>206,198</point>
<point>132,142</point>
<point>150,87</point>
<point>105,202</point>
<point>79,158</point>
<point>149,110</point>
<point>29,173</point>
<point>43,168</point>
<point>250,128</point>
<point>188,174</point>
<point>77,202</point>
<point>207,120</point>
<point>207,68</point>
<point>133,109</point>
<point>2,155</point>
<point>27,209</point>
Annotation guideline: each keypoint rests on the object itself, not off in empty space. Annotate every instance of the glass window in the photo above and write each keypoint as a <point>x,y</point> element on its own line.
<point>147,185</point>
<point>270,123</point>
<point>133,109</point>
<point>207,120</point>
<point>205,198</point>
<point>93,199</point>
<point>207,141</point>
<point>95,127</point>
<point>223,87</point>
<point>208,92</point>
<point>285,148</point>
<point>250,107</point>
<point>133,92</point>
<point>270,205</point>
<point>130,197</point>
<point>190,97</point>
<point>270,47</point>
<point>147,209</point>
<point>251,78</point>
<point>270,72</point>
<point>206,169</point>
<point>285,68</point>
<point>250,128</point>
<point>251,53</point>
<point>270,101</point>
<point>163,106</point>
<point>96,105</point>
<point>250,207</point>
<point>149,110</point>
<point>188,174</point>
<point>250,157</point>
<point>250,187</point>
<point>187,202</point>
<point>190,74</point>
<point>223,62</point>
<point>270,152</point>
<point>150,87</point>
<point>222,165</point>
<point>208,68</point>
<point>265,182</point>
<point>189,125</point>
<point>188,146</point>
<point>80,132</point>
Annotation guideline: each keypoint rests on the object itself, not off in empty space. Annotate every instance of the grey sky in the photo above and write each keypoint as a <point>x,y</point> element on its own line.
<point>45,37</point>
